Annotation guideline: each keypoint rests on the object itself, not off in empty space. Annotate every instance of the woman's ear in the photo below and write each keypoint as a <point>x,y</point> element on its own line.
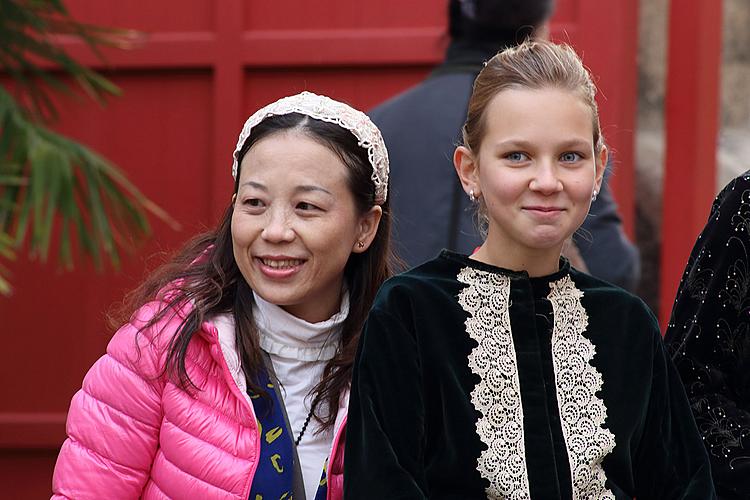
<point>367,229</point>
<point>467,169</point>
<point>234,198</point>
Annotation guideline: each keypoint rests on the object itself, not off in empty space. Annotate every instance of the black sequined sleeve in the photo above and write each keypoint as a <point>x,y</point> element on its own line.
<point>709,337</point>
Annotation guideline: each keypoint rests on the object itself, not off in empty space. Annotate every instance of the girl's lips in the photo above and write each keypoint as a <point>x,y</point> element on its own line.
<point>545,213</point>
<point>542,208</point>
<point>279,268</point>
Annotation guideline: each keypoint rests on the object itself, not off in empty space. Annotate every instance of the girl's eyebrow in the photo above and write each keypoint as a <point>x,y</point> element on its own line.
<point>514,143</point>
<point>524,144</point>
<point>576,143</point>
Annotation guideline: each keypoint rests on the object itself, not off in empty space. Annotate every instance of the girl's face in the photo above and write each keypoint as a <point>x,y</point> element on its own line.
<point>295,224</point>
<point>535,171</point>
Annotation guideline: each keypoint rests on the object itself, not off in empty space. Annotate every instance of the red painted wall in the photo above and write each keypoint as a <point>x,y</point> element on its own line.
<point>691,113</point>
<point>202,69</point>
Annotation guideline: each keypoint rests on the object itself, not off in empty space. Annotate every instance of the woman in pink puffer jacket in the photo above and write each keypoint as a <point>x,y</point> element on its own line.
<point>231,378</point>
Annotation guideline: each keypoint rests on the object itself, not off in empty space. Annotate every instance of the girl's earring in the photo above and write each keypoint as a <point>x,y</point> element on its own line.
<point>472,197</point>
<point>594,195</point>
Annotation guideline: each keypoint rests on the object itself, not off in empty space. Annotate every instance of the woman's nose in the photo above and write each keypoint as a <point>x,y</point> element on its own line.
<point>278,228</point>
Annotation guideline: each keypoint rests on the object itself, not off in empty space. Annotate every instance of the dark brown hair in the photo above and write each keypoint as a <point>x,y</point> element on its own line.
<point>503,22</point>
<point>205,274</point>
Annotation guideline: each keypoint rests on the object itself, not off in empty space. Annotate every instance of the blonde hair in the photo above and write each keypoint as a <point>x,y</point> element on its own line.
<point>535,65</point>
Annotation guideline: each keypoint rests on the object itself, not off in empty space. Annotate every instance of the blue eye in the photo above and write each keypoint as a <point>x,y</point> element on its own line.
<point>517,156</point>
<point>571,157</point>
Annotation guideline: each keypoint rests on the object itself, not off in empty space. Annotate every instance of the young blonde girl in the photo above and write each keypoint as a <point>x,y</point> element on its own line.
<point>508,373</point>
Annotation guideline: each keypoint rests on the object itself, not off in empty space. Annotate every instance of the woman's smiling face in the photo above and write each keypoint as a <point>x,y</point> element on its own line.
<point>295,224</point>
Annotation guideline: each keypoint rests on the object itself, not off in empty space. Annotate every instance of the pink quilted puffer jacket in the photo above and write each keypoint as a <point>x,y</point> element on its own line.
<point>132,434</point>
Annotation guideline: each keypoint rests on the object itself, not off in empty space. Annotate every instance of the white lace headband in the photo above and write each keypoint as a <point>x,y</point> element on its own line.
<point>326,109</point>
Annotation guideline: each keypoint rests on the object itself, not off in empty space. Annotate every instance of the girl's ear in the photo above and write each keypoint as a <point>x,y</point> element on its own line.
<point>601,166</point>
<point>467,169</point>
<point>367,229</point>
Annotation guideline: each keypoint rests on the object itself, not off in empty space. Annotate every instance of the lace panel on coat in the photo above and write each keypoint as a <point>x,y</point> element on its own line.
<point>497,395</point>
<point>582,412</point>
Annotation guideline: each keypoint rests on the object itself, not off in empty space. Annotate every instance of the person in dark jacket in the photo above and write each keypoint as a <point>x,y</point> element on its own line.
<point>508,374</point>
<point>422,126</point>
<point>709,337</point>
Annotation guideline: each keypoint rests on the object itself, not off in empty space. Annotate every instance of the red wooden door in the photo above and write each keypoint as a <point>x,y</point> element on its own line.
<point>203,67</point>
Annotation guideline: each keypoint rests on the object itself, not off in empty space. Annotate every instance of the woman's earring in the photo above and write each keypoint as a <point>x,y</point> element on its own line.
<point>361,244</point>
<point>472,197</point>
<point>594,195</point>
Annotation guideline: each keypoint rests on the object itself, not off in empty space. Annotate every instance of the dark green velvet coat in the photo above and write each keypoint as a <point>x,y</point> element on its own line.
<point>565,378</point>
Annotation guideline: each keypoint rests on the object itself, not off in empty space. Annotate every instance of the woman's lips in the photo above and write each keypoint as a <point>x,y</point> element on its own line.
<point>279,267</point>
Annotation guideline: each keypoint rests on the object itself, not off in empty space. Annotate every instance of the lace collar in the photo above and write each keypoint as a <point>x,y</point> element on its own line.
<point>290,337</point>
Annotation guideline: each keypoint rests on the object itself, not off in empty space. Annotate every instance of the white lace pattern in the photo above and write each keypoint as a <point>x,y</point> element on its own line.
<point>328,110</point>
<point>582,412</point>
<point>497,396</point>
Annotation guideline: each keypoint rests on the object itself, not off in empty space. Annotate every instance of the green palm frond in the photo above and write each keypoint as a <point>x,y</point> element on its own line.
<point>53,189</point>
<point>29,29</point>
<point>6,252</point>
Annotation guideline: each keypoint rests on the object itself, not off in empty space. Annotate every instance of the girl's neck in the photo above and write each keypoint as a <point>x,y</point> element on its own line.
<point>536,262</point>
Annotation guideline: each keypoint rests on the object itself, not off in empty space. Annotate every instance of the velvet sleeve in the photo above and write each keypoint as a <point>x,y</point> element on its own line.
<point>385,426</point>
<point>671,461</point>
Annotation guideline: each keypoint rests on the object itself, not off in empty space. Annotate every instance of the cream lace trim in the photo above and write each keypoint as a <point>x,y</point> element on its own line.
<point>497,396</point>
<point>582,412</point>
<point>328,110</point>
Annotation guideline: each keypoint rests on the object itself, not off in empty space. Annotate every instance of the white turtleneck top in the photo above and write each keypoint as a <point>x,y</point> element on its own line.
<point>299,352</point>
